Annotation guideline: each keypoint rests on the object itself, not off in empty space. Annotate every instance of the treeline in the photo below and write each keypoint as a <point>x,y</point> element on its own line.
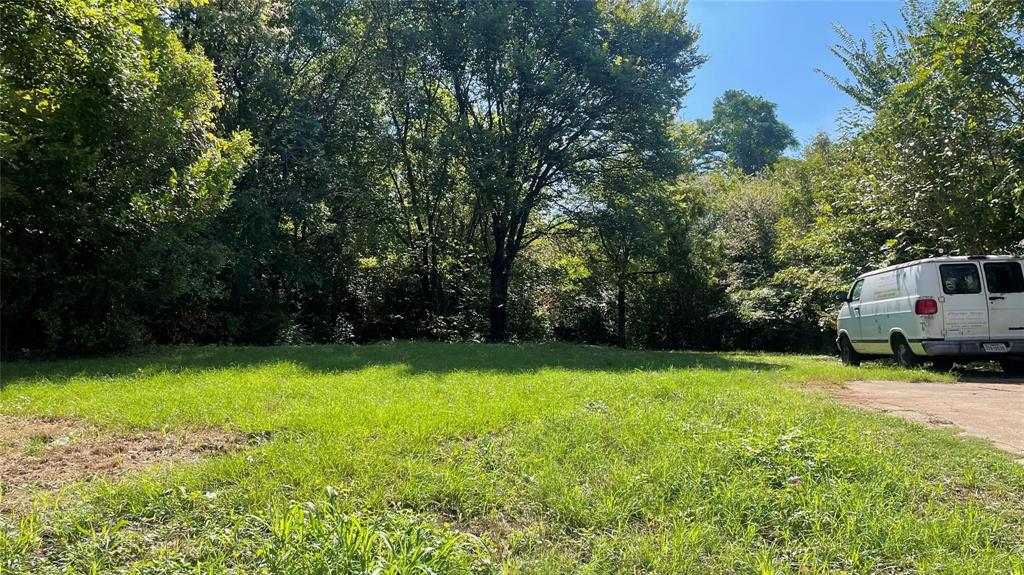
<point>261,172</point>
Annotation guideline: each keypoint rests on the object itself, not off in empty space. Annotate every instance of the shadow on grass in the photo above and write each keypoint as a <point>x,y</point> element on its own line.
<point>416,357</point>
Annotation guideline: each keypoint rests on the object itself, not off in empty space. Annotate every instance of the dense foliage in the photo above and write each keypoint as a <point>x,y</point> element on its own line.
<point>936,166</point>
<point>744,131</point>
<point>256,171</point>
<point>112,172</point>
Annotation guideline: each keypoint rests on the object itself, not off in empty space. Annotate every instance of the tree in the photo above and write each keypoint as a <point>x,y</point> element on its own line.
<point>765,312</point>
<point>883,63</point>
<point>112,175</point>
<point>545,92</point>
<point>745,129</point>
<point>946,147</point>
<point>630,221</point>
<point>296,74</point>
<point>433,215</point>
<point>638,265</point>
<point>938,163</point>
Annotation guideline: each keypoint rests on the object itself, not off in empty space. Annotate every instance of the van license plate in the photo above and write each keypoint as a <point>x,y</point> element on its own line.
<point>994,347</point>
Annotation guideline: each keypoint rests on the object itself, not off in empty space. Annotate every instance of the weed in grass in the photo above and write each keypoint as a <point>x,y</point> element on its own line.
<point>35,445</point>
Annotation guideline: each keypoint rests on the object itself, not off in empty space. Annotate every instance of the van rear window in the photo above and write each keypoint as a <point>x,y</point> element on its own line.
<point>1004,277</point>
<point>960,279</point>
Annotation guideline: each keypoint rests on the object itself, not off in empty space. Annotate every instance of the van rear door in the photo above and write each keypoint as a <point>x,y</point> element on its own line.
<point>1005,283</point>
<point>964,303</point>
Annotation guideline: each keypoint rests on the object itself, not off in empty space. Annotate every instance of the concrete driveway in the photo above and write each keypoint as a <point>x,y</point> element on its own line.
<point>982,406</point>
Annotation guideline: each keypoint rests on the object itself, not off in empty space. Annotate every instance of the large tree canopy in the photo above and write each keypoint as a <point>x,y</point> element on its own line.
<point>746,130</point>
<point>471,170</point>
<point>294,74</point>
<point>545,93</point>
<point>112,172</point>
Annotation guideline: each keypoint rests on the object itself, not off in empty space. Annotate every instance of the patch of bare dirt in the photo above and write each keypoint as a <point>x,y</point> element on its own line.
<point>989,408</point>
<point>47,452</point>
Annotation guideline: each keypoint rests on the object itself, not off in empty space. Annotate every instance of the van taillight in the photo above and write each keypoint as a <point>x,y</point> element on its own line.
<point>926,306</point>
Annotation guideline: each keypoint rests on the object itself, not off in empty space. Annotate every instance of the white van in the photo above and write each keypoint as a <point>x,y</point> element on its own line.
<point>942,310</point>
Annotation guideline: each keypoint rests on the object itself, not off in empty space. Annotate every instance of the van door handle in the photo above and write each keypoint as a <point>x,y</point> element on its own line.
<point>857,309</point>
<point>995,297</point>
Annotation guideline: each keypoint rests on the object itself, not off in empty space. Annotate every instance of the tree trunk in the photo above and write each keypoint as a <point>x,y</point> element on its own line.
<point>499,301</point>
<point>426,285</point>
<point>501,267</point>
<point>435,281</point>
<point>620,308</point>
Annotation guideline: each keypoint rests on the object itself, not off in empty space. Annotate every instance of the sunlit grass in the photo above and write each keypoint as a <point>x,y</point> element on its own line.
<point>519,459</point>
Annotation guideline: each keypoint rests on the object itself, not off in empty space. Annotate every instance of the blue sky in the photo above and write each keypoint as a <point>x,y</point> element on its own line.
<point>771,49</point>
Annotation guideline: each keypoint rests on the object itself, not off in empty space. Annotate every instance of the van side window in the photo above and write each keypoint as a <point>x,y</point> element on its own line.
<point>1004,277</point>
<point>960,279</point>
<point>855,292</point>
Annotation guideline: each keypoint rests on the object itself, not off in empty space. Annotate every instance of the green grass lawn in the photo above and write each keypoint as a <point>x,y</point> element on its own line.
<point>453,458</point>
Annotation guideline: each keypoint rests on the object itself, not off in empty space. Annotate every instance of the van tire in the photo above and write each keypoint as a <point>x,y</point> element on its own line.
<point>942,364</point>
<point>847,354</point>
<point>904,355</point>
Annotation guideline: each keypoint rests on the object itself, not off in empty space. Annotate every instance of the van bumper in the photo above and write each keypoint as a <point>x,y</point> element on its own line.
<point>972,348</point>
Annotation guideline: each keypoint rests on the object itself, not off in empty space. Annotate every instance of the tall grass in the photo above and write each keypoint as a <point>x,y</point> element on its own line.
<point>448,458</point>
